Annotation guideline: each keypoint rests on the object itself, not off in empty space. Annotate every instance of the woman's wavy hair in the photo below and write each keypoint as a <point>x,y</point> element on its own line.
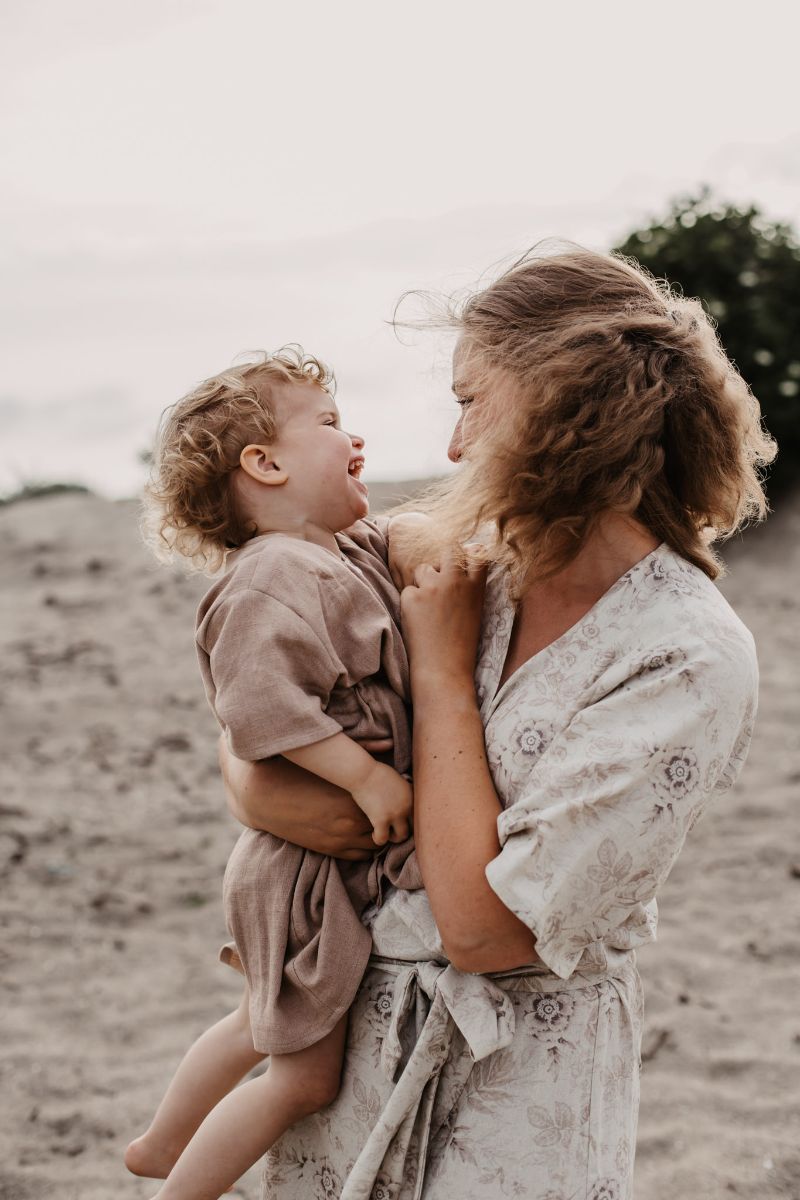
<point>600,388</point>
<point>190,507</point>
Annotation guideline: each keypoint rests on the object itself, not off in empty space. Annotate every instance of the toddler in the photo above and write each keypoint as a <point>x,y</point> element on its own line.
<point>301,654</point>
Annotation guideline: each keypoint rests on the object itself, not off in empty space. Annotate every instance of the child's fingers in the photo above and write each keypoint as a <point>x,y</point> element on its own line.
<point>377,745</point>
<point>399,831</point>
<point>380,833</point>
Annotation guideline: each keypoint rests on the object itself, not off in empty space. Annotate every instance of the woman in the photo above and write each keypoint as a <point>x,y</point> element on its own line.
<point>569,728</point>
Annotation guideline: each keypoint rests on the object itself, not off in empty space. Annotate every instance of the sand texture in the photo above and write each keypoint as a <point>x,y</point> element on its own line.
<point>114,836</point>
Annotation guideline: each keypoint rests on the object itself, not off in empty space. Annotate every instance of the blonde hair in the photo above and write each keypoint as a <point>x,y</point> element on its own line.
<point>190,507</point>
<point>601,389</point>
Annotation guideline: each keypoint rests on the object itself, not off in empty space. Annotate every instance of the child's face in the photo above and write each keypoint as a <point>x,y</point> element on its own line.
<point>322,461</point>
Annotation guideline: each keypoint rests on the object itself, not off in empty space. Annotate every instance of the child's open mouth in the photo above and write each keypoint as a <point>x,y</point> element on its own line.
<point>354,471</point>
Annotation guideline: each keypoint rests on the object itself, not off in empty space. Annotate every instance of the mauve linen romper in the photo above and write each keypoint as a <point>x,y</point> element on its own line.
<point>297,644</point>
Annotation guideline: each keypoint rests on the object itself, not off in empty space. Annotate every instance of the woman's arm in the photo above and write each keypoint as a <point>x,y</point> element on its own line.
<point>381,793</point>
<point>290,803</point>
<point>455,804</point>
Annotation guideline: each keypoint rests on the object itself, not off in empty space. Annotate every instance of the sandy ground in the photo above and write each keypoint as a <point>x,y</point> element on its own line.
<point>114,835</point>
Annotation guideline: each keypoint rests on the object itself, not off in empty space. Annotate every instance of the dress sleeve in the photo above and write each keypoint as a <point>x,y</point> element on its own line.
<point>607,807</point>
<point>272,676</point>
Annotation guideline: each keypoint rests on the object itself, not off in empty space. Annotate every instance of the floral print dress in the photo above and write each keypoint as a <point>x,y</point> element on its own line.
<point>605,747</point>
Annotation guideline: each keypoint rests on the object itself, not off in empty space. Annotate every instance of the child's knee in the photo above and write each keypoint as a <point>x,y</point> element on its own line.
<point>317,1093</point>
<point>306,1091</point>
<point>240,1025</point>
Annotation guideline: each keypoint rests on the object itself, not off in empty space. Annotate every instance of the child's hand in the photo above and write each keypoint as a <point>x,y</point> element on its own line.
<point>411,542</point>
<point>387,799</point>
<point>441,617</point>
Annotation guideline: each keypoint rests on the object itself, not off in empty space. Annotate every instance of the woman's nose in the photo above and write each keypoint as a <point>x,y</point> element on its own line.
<point>455,447</point>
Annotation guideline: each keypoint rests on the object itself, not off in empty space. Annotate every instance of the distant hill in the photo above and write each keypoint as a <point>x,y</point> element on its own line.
<point>383,495</point>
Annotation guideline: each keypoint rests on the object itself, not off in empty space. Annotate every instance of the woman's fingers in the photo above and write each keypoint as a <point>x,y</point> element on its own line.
<point>476,564</point>
<point>452,560</point>
<point>454,563</point>
<point>441,616</point>
<point>424,573</point>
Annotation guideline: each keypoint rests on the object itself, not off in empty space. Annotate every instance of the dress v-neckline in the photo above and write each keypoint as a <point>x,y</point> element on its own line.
<point>507,628</point>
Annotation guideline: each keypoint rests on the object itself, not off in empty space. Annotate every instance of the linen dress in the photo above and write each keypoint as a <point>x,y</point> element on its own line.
<point>605,747</point>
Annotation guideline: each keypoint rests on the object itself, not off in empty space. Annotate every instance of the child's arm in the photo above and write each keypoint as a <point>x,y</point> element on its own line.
<point>378,790</point>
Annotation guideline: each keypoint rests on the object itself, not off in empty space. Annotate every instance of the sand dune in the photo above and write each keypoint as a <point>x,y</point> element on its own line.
<point>114,835</point>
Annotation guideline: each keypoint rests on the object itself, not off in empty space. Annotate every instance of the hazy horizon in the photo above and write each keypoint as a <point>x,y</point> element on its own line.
<point>175,192</point>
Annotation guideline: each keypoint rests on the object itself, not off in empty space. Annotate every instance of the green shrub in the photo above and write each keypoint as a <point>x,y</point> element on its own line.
<point>746,271</point>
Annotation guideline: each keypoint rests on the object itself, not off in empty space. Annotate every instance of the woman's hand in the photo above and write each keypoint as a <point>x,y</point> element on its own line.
<point>290,803</point>
<point>441,617</point>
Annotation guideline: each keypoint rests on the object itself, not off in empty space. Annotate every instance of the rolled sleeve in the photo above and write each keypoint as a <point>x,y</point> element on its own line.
<point>609,803</point>
<point>272,676</point>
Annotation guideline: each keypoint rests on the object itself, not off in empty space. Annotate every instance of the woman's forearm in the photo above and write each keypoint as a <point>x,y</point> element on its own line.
<point>455,823</point>
<point>282,799</point>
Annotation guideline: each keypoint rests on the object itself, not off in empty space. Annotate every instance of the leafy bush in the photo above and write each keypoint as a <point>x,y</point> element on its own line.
<point>746,271</point>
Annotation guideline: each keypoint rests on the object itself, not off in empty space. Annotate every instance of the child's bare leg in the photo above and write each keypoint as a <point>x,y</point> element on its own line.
<point>250,1119</point>
<point>211,1067</point>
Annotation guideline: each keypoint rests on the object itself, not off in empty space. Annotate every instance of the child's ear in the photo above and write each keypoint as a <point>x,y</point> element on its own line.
<point>260,464</point>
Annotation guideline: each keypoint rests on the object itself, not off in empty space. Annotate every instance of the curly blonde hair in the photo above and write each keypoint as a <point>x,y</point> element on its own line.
<point>601,389</point>
<point>190,508</point>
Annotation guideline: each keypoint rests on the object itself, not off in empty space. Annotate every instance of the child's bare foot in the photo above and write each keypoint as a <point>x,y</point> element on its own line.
<point>152,1160</point>
<point>142,1158</point>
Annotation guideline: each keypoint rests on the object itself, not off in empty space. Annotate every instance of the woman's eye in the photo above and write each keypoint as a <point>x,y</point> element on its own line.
<point>463,401</point>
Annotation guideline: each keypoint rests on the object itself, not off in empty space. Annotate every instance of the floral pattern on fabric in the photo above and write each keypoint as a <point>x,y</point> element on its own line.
<point>604,748</point>
<point>648,705</point>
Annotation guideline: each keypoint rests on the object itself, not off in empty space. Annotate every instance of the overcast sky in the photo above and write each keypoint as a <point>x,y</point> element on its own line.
<point>182,181</point>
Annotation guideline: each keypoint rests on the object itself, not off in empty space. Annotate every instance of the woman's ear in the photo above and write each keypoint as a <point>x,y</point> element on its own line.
<point>259,463</point>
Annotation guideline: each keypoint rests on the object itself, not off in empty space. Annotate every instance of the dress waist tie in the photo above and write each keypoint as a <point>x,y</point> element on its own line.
<point>439,999</point>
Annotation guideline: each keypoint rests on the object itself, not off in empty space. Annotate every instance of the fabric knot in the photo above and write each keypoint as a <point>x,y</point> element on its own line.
<point>438,1000</point>
<point>430,993</point>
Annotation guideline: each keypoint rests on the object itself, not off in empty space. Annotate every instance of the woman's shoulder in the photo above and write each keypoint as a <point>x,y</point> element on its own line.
<point>673,618</point>
<point>673,595</point>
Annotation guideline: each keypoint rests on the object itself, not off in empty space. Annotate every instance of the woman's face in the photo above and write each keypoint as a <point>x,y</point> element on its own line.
<point>465,398</point>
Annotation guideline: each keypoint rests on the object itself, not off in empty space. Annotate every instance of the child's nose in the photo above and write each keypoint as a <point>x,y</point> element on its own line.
<point>358,442</point>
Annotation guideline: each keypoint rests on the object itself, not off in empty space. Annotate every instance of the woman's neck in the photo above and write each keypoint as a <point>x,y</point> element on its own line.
<point>615,545</point>
<point>550,607</point>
